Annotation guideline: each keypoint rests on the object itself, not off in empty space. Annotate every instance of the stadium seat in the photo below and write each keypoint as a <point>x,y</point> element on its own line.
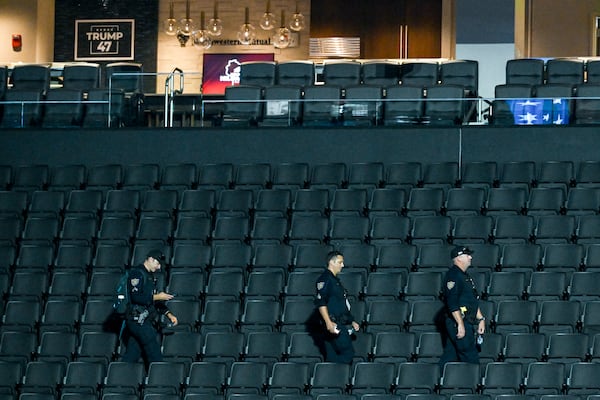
<point>257,73</point>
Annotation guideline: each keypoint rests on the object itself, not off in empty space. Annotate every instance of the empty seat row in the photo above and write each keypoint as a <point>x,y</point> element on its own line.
<point>349,72</point>
<point>256,381</point>
<point>95,205</point>
<point>73,76</point>
<point>381,307</point>
<point>300,175</point>
<point>391,346</point>
<point>355,105</point>
<point>534,71</point>
<point>557,103</point>
<point>62,108</point>
<point>382,340</point>
<point>385,251</point>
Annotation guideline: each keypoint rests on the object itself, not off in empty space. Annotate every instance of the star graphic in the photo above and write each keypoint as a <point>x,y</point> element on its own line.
<point>528,118</point>
<point>558,120</point>
<point>528,102</point>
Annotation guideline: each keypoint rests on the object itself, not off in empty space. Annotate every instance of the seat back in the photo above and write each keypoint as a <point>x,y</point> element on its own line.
<point>283,104</point>
<point>422,74</point>
<point>24,110</point>
<point>299,73</point>
<point>64,108</point>
<point>404,105</point>
<point>445,104</point>
<point>84,76</point>
<point>124,76</point>
<point>363,105</point>
<point>257,73</point>
<point>342,73</point>
<point>34,77</point>
<point>526,71</point>
<point>380,73</point>
<point>3,80</point>
<point>321,103</point>
<point>587,104</point>
<point>242,105</point>
<point>565,70</point>
<point>100,101</point>
<point>463,73</point>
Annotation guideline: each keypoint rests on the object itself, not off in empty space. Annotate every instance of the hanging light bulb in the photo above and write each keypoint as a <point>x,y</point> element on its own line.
<point>247,32</point>
<point>297,23</point>
<point>267,21</point>
<point>186,26</point>
<point>215,26</point>
<point>170,24</point>
<point>201,39</point>
<point>281,39</point>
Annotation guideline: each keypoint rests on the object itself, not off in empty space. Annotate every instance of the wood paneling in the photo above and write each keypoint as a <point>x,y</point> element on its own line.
<point>424,20</point>
<point>378,24</point>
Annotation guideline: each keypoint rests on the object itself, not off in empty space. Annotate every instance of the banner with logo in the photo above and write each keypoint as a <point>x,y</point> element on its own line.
<point>104,39</point>
<point>222,70</point>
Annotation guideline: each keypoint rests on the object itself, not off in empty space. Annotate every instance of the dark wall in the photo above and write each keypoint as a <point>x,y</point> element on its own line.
<point>145,13</point>
<point>485,21</point>
<point>166,146</point>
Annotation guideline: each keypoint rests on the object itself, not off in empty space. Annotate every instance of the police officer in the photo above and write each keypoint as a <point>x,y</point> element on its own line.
<point>334,310</point>
<point>146,304</point>
<point>463,318</point>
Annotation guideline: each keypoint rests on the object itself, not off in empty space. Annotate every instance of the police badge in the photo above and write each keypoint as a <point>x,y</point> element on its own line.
<point>450,284</point>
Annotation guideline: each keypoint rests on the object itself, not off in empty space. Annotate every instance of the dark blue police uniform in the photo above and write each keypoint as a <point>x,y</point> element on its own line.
<point>331,293</point>
<point>460,294</point>
<point>141,336</point>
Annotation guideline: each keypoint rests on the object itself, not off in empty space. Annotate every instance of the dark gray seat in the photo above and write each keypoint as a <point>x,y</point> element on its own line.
<point>505,97</point>
<point>363,105</point>
<point>63,108</point>
<point>298,73</point>
<point>34,77</point>
<point>81,76</point>
<point>565,70</point>
<point>342,73</point>
<point>100,101</point>
<point>23,109</point>
<point>321,105</point>
<point>422,74</point>
<point>587,104</point>
<point>283,106</point>
<point>445,105</point>
<point>404,105</point>
<point>257,73</point>
<point>526,71</point>
<point>380,73</point>
<point>242,106</point>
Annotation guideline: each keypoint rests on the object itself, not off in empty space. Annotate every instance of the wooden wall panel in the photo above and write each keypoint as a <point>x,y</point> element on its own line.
<point>378,24</point>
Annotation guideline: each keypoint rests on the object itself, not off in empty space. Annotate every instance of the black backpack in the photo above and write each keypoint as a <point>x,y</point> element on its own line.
<point>121,304</point>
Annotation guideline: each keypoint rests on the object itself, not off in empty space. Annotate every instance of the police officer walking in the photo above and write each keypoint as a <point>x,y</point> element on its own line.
<point>141,336</point>
<point>334,310</point>
<point>463,318</point>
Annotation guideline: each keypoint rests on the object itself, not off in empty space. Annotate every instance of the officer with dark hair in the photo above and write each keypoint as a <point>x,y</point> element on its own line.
<point>464,321</point>
<point>146,305</point>
<point>333,308</point>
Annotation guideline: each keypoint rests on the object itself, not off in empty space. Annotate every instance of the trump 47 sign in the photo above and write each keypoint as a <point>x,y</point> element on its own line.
<point>104,39</point>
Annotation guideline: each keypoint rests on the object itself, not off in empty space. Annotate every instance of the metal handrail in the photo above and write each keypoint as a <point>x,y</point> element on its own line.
<point>170,93</point>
